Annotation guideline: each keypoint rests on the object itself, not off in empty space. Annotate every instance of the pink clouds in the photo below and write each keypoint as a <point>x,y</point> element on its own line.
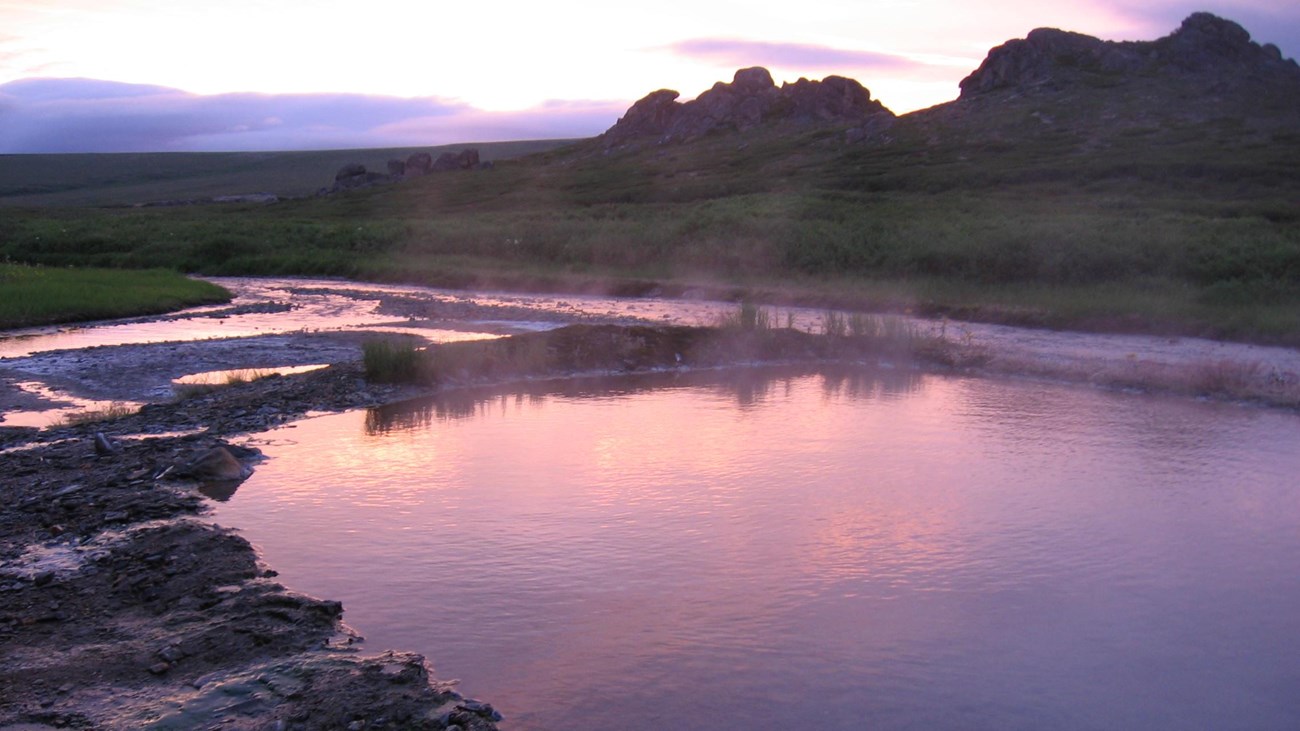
<point>741,53</point>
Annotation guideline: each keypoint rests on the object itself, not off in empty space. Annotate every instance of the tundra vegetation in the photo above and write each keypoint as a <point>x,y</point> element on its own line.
<point>1085,193</point>
<point>41,295</point>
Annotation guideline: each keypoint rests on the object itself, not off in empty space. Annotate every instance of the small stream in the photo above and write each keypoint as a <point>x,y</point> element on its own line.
<point>774,549</point>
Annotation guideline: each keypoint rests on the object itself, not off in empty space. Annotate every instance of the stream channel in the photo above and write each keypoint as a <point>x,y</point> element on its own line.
<point>831,548</point>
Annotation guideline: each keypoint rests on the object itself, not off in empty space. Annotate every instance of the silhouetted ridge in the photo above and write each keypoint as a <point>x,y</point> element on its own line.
<point>750,100</point>
<point>1204,44</point>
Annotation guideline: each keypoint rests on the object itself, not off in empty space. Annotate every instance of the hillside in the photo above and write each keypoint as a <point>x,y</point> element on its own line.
<point>109,179</point>
<point>1144,185</point>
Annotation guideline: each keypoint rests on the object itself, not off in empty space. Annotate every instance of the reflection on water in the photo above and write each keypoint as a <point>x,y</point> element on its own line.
<point>837,550</point>
<point>747,388</point>
<point>65,407</point>
<point>243,375</point>
<point>267,306</point>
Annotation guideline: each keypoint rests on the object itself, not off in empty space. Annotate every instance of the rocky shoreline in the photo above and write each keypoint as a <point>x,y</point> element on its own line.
<point>122,607</point>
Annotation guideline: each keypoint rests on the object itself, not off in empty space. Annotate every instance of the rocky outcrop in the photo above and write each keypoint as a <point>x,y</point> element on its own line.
<point>751,99</point>
<point>419,163</point>
<point>1206,45</point>
<point>463,160</point>
<point>355,175</point>
<point>351,170</point>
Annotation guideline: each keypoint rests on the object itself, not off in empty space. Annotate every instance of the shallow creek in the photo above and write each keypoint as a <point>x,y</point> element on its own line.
<point>766,549</point>
<point>809,549</point>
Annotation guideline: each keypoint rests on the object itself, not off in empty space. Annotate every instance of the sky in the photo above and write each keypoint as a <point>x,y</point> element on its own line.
<point>136,75</point>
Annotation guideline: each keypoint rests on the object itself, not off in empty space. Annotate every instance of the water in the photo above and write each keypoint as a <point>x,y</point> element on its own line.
<point>268,306</point>
<point>809,550</point>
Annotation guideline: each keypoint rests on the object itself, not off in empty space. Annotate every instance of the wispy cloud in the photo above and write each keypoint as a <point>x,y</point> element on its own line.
<point>738,53</point>
<point>86,115</point>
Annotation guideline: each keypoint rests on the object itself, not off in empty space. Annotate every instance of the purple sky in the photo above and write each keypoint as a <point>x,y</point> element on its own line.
<point>140,75</point>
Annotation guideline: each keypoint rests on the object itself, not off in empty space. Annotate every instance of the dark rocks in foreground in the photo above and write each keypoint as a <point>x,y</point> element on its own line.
<point>120,606</point>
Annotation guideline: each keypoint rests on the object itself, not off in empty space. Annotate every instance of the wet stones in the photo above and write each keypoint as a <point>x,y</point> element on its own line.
<point>216,464</point>
<point>105,447</point>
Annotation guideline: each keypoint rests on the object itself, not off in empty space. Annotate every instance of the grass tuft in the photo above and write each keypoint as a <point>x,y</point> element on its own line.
<point>748,317</point>
<point>391,361</point>
<point>115,410</point>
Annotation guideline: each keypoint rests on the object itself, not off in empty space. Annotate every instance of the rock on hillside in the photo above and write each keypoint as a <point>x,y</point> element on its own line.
<point>1205,45</point>
<point>750,100</point>
<point>1208,68</point>
<point>355,175</point>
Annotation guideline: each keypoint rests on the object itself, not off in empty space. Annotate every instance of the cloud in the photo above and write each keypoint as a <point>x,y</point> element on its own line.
<point>88,115</point>
<point>739,53</point>
<point>551,120</point>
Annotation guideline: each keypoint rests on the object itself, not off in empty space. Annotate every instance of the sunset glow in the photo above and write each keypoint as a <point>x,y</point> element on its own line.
<point>568,68</point>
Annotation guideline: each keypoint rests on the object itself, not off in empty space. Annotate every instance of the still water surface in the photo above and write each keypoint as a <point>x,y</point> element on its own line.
<point>809,550</point>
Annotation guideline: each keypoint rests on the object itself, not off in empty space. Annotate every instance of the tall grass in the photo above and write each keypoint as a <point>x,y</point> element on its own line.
<point>115,410</point>
<point>893,330</point>
<point>749,316</point>
<point>390,361</point>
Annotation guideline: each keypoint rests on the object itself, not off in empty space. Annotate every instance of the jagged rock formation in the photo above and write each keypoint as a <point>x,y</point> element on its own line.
<point>1204,45</point>
<point>750,100</point>
<point>1205,83</point>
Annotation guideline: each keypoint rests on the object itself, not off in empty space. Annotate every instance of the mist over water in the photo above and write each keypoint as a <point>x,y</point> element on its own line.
<point>780,549</point>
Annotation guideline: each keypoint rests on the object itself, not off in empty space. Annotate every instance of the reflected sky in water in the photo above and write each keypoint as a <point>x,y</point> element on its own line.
<point>782,549</point>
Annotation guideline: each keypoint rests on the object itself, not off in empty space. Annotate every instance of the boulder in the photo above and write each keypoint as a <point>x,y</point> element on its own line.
<point>468,159</point>
<point>216,464</point>
<point>351,170</point>
<point>104,447</point>
<point>830,99</point>
<point>419,163</point>
<point>463,160</point>
<point>397,168</point>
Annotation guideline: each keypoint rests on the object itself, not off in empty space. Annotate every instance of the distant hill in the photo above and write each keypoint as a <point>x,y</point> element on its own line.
<point>1207,72</point>
<point>1147,185</point>
<point>106,179</point>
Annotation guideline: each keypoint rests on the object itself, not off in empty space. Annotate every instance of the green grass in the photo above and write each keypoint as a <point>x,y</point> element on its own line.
<point>38,295</point>
<point>102,179</point>
<point>1158,225</point>
<point>390,361</point>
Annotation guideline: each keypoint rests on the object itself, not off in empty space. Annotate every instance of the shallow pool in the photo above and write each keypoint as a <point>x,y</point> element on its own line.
<point>831,550</point>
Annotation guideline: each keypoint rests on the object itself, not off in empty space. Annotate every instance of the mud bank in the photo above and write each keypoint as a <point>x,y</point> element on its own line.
<point>121,608</point>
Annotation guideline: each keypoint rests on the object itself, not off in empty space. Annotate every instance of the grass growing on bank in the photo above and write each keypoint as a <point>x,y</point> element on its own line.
<point>115,410</point>
<point>390,361</point>
<point>617,349</point>
<point>37,295</point>
<point>1193,236</point>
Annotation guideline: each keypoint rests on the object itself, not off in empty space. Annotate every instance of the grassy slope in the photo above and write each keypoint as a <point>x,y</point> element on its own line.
<point>42,295</point>
<point>125,179</point>
<point>1188,227</point>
